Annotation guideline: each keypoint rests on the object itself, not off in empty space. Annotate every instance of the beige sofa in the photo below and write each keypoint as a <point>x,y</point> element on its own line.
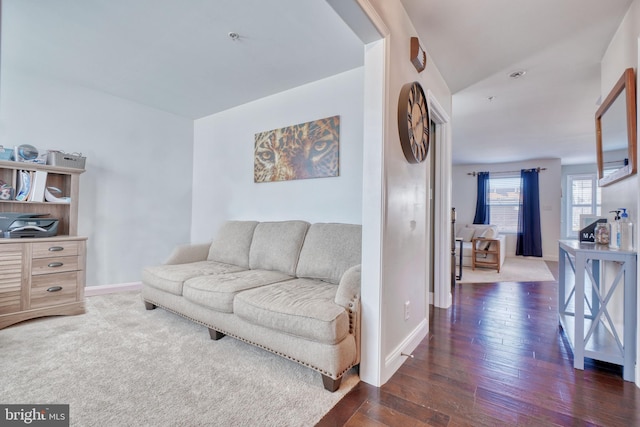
<point>289,287</point>
<point>470,231</point>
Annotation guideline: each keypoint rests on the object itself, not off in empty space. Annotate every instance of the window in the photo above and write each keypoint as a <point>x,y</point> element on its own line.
<point>583,199</point>
<point>504,202</point>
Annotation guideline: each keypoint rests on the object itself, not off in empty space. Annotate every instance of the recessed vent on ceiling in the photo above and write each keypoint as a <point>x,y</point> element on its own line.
<point>517,74</point>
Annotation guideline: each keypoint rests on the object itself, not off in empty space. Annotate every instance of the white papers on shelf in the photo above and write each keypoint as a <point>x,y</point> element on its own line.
<point>24,185</point>
<point>38,186</point>
<point>31,186</point>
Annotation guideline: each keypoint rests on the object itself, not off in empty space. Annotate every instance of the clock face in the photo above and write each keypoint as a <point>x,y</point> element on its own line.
<point>413,122</point>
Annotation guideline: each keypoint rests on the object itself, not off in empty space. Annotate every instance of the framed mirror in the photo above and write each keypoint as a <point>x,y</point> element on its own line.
<point>616,131</point>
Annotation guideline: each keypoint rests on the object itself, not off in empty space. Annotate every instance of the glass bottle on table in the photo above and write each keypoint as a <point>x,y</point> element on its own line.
<point>601,234</point>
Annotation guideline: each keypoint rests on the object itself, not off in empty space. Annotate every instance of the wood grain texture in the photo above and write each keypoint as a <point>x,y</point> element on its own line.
<point>495,358</point>
<point>34,286</point>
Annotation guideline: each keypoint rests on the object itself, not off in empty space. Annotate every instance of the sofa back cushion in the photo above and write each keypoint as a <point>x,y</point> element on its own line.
<point>488,231</point>
<point>466,233</point>
<point>276,246</point>
<point>329,250</point>
<point>232,243</point>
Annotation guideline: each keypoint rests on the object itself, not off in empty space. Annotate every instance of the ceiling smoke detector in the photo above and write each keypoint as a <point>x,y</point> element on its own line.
<point>517,74</point>
<point>234,36</point>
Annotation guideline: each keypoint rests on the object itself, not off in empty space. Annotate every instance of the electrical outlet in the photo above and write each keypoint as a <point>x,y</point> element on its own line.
<point>406,310</point>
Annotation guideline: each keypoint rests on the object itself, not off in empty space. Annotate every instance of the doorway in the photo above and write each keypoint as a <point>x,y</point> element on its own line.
<point>440,177</point>
<point>431,243</point>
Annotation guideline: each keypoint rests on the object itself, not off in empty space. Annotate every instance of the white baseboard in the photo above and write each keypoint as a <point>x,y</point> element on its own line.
<point>91,291</point>
<point>398,356</point>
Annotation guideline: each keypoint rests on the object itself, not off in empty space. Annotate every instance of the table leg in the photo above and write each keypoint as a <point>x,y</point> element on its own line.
<point>578,351</point>
<point>460,262</point>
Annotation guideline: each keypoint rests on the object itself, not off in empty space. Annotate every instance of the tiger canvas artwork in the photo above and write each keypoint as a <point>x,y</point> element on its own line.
<point>306,150</point>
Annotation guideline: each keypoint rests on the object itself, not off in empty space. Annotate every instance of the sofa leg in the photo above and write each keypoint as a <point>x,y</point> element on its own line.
<point>330,384</point>
<point>215,335</point>
<point>149,306</point>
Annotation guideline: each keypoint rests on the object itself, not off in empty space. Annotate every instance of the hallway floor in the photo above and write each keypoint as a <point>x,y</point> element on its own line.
<point>495,358</point>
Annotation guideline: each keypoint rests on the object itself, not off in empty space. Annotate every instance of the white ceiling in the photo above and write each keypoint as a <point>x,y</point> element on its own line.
<point>176,56</point>
<point>547,113</point>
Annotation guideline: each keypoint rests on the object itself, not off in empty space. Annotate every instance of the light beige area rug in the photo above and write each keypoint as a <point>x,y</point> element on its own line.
<point>514,269</point>
<point>120,365</point>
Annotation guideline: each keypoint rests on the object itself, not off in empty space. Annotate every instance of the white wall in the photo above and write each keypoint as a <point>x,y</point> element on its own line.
<point>464,199</point>
<point>223,186</point>
<point>136,191</point>
<point>622,53</point>
<point>371,363</point>
<point>405,205</point>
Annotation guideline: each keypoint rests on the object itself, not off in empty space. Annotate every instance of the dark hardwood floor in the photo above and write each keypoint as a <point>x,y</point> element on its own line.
<point>495,358</point>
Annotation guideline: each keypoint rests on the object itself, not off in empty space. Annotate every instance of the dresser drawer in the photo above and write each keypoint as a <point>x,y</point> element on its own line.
<point>55,249</point>
<point>53,289</point>
<point>57,264</point>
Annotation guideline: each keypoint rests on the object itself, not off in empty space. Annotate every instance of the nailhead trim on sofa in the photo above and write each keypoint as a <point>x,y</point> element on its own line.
<point>260,345</point>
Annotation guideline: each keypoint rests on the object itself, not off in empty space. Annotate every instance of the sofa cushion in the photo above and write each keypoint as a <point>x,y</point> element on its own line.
<point>480,228</point>
<point>466,233</point>
<point>170,278</point>
<point>217,291</point>
<point>488,233</point>
<point>276,246</point>
<point>232,243</point>
<point>329,250</point>
<point>299,307</point>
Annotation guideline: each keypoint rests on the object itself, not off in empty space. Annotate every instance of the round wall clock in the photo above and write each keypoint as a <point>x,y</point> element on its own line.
<point>413,122</point>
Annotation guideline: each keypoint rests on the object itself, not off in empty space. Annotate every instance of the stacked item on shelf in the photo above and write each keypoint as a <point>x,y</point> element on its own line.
<point>31,186</point>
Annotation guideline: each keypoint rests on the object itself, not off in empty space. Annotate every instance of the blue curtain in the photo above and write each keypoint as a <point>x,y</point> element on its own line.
<point>482,202</point>
<point>529,241</point>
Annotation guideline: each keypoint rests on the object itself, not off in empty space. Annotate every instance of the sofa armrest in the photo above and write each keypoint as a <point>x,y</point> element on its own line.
<point>349,287</point>
<point>185,254</point>
<point>348,296</point>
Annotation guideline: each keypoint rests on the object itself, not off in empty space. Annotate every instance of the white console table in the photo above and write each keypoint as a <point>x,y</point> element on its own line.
<point>583,299</point>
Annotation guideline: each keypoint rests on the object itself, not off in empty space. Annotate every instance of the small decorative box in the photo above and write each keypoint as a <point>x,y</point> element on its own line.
<point>58,158</point>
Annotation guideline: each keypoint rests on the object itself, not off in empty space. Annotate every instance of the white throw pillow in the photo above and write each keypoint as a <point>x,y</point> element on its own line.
<point>487,233</point>
<point>466,234</point>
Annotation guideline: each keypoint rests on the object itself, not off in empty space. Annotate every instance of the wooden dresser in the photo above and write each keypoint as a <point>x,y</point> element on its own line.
<point>42,276</point>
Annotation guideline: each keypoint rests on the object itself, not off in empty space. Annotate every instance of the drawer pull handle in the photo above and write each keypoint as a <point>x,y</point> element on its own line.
<point>55,264</point>
<point>54,289</point>
<point>56,249</point>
